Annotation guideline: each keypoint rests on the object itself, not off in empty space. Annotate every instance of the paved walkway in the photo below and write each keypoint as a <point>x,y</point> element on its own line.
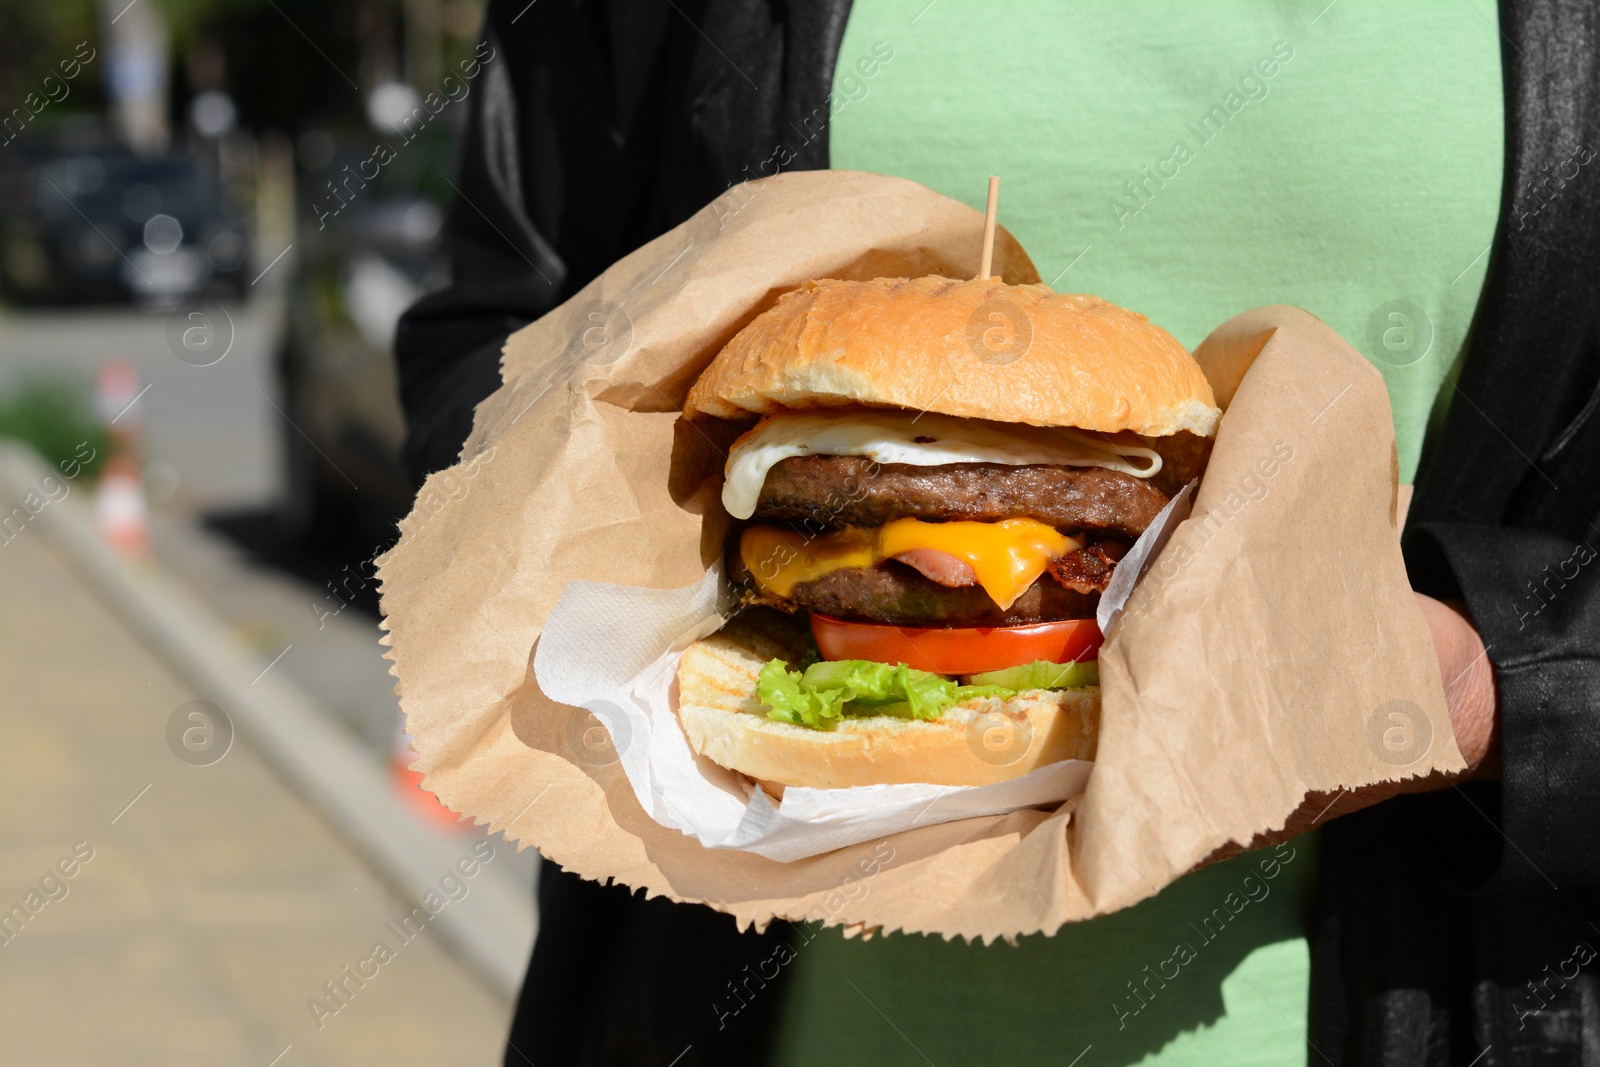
<point>156,912</point>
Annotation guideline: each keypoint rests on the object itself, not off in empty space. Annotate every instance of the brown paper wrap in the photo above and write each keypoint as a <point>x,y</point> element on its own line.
<point>1272,649</point>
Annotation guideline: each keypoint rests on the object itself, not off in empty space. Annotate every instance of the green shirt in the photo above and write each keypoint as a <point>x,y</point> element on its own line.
<point>1189,161</point>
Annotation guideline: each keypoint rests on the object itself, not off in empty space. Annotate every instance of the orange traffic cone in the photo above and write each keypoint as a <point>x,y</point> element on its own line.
<point>118,389</point>
<point>120,513</point>
<point>408,783</point>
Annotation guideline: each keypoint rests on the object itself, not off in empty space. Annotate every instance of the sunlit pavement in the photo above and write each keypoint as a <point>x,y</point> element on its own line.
<point>208,911</point>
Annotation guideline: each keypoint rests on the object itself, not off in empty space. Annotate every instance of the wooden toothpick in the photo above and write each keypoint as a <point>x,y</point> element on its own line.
<point>987,262</point>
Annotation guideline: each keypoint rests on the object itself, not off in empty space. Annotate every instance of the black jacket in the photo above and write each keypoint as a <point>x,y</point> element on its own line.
<point>1449,926</point>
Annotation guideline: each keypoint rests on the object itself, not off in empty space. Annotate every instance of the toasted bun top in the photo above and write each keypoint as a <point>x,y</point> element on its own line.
<point>972,349</point>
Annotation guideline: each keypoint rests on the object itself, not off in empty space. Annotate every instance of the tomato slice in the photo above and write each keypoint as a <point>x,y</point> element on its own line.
<point>957,650</point>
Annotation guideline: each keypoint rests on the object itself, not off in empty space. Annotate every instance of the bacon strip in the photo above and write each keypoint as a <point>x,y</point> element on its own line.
<point>1088,570</point>
<point>949,571</point>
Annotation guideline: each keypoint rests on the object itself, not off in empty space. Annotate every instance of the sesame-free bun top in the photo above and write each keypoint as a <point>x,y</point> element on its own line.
<point>973,349</point>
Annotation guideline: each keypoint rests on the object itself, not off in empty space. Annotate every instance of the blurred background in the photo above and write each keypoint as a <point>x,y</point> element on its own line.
<point>212,213</point>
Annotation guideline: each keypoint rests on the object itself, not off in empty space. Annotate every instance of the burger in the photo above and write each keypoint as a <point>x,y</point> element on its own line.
<point>938,481</point>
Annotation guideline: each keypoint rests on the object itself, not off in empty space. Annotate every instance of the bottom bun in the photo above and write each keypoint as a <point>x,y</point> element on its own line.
<point>978,742</point>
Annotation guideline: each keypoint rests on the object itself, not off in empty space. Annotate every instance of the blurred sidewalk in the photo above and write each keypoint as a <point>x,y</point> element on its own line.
<point>208,906</point>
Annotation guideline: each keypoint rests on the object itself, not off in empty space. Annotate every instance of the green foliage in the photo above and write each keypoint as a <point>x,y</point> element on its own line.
<point>55,417</point>
<point>34,38</point>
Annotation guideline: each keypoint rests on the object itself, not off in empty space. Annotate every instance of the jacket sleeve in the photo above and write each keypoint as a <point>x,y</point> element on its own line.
<point>593,127</point>
<point>504,273</point>
<point>1535,598</point>
<point>516,235</point>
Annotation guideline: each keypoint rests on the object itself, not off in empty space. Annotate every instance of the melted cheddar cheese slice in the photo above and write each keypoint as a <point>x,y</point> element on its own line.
<point>1007,556</point>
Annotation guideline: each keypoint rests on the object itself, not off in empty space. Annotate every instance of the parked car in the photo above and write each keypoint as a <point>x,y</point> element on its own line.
<point>106,225</point>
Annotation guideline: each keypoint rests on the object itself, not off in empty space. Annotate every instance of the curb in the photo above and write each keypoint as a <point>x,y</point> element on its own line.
<point>282,722</point>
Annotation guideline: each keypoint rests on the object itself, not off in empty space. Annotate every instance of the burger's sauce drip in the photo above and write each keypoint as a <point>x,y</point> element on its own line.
<point>1007,557</point>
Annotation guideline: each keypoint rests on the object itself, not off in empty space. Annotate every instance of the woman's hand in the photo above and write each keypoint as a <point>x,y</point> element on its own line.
<point>1469,691</point>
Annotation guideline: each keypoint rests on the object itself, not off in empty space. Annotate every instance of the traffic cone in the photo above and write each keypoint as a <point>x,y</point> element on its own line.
<point>120,513</point>
<point>408,783</point>
<point>118,387</point>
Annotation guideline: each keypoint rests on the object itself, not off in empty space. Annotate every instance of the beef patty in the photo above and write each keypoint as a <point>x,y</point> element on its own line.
<point>856,491</point>
<point>894,593</point>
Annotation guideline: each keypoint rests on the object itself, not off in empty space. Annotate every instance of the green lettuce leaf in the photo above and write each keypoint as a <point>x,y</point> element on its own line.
<point>784,691</point>
<point>1042,674</point>
<point>824,692</point>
